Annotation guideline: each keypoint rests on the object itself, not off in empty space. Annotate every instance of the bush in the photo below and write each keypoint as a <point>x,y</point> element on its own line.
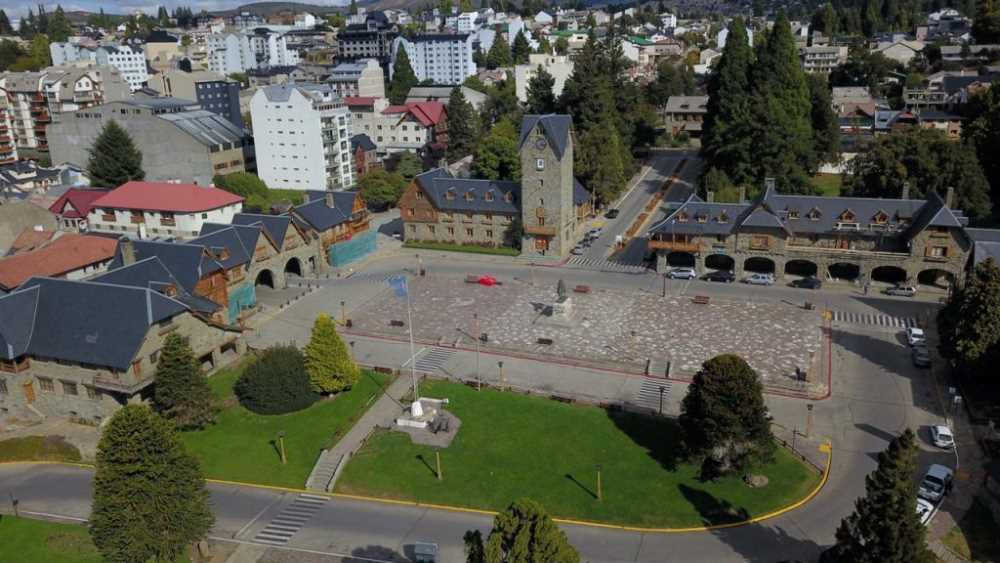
<point>276,383</point>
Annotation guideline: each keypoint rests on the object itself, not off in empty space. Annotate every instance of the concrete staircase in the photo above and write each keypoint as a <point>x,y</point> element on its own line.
<point>321,477</point>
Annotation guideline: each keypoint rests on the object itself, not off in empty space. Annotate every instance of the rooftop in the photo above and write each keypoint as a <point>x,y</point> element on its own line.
<point>161,196</point>
<point>65,254</point>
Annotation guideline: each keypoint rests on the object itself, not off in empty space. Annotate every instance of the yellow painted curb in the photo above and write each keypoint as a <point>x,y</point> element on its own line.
<point>825,447</point>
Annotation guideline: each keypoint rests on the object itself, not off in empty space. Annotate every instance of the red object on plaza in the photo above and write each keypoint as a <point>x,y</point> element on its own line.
<point>487,280</point>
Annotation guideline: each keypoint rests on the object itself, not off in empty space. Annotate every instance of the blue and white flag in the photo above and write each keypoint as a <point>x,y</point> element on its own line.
<point>399,286</point>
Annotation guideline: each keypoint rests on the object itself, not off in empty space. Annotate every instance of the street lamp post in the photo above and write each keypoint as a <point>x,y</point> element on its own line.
<point>600,494</point>
<point>809,420</point>
<point>500,365</point>
<point>343,312</point>
<point>352,351</point>
<point>662,389</point>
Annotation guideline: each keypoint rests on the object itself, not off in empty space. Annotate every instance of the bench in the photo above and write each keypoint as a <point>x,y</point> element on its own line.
<point>582,289</point>
<point>700,300</point>
<point>396,323</point>
<point>545,341</point>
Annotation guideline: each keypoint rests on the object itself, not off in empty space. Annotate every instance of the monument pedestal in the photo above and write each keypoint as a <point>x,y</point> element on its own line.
<point>559,313</point>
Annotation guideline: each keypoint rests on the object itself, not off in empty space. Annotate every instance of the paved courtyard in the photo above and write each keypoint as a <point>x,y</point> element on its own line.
<point>624,328</point>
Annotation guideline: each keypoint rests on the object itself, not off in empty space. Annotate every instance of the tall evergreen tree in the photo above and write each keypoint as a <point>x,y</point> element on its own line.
<point>150,500</point>
<point>884,527</point>
<point>982,131</point>
<point>181,393</point>
<point>520,50</point>
<point>825,125</point>
<point>403,77</point>
<point>541,99</point>
<point>114,159</point>
<point>499,54</point>
<point>598,160</point>
<point>5,27</point>
<point>463,126</point>
<point>986,25</point>
<point>727,142</point>
<point>59,26</point>
<point>969,323</point>
<point>783,136</point>
<point>328,361</point>
<point>353,10</point>
<point>544,47</point>
<point>724,418</point>
<point>524,533</point>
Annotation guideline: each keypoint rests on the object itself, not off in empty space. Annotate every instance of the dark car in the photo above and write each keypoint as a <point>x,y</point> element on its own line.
<point>724,276</point>
<point>612,213</point>
<point>808,283</point>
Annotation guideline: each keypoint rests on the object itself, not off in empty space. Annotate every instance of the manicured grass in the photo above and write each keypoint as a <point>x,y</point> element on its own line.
<point>38,448</point>
<point>36,540</point>
<point>828,184</point>
<point>512,446</point>
<point>502,250</point>
<point>241,445</point>
<point>975,538</point>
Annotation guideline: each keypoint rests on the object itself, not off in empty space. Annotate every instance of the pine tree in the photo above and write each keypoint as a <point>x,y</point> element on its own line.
<point>825,125</point>
<point>403,77</point>
<point>727,142</point>
<point>328,362</point>
<point>521,50</point>
<point>969,323</point>
<point>499,55</point>
<point>353,10</point>
<point>463,126</point>
<point>150,500</point>
<point>982,130</point>
<point>598,160</point>
<point>181,393</point>
<point>783,136</point>
<point>5,27</point>
<point>523,533</point>
<point>724,418</point>
<point>544,47</point>
<point>541,100</point>
<point>59,26</point>
<point>498,157</point>
<point>114,159</point>
<point>884,527</point>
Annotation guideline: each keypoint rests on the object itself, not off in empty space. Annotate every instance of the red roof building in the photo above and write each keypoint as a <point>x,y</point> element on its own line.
<point>73,207</point>
<point>71,256</point>
<point>164,196</point>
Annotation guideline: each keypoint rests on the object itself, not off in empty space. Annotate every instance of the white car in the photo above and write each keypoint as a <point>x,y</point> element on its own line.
<point>924,511</point>
<point>942,437</point>
<point>935,483</point>
<point>682,274</point>
<point>915,336</point>
<point>759,279</point>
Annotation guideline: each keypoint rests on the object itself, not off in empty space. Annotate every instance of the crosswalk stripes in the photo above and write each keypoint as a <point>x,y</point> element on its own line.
<point>433,359</point>
<point>290,520</point>
<point>605,265</point>
<point>874,319</point>
<point>651,392</point>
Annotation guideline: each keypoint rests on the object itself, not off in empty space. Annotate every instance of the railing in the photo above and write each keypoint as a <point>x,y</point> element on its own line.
<point>849,252</point>
<point>539,230</point>
<point>168,222</point>
<point>676,246</point>
<point>137,219</point>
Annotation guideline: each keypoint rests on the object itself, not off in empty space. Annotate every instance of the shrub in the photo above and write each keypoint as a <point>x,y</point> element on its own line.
<point>276,383</point>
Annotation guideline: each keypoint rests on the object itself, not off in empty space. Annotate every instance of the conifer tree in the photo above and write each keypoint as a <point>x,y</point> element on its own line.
<point>181,393</point>
<point>499,54</point>
<point>150,500</point>
<point>522,533</point>
<point>727,131</point>
<point>521,50</point>
<point>328,361</point>
<point>5,27</point>
<point>884,527</point>
<point>403,77</point>
<point>114,159</point>
<point>497,157</point>
<point>825,126</point>
<point>463,126</point>
<point>541,100</point>
<point>969,323</point>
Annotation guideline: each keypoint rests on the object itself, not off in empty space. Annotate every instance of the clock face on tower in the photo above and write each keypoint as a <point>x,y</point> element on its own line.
<point>540,143</point>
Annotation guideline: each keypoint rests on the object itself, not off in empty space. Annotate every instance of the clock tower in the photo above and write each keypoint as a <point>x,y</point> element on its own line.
<point>547,211</point>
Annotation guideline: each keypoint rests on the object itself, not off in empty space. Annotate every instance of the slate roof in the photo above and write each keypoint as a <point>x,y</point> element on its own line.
<point>719,218</point>
<point>437,183</point>
<point>580,193</point>
<point>238,240</point>
<point>82,322</point>
<point>276,226</point>
<point>80,201</point>
<point>985,244</point>
<point>152,274</point>
<point>556,127</point>
<point>320,217</point>
<point>187,262</point>
<point>363,142</point>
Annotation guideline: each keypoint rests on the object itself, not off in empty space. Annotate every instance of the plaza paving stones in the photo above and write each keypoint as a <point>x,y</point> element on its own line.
<point>609,326</point>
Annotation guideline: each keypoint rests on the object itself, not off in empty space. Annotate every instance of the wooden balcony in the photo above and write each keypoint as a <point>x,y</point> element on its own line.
<point>674,246</point>
<point>168,222</point>
<point>540,230</point>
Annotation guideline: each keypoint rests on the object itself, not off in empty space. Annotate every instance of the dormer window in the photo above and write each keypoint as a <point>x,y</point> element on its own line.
<point>701,217</point>
<point>723,217</point>
<point>793,213</point>
<point>508,197</point>
<point>469,196</point>
<point>682,217</point>
<point>814,214</point>
<point>489,196</point>
<point>880,218</point>
<point>848,216</point>
<point>449,195</point>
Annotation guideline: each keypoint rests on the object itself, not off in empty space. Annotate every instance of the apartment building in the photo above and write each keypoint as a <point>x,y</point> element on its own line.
<point>372,39</point>
<point>230,53</point>
<point>363,78</point>
<point>212,91</point>
<point>420,127</point>
<point>822,59</point>
<point>128,59</point>
<point>303,137</point>
<point>8,146</point>
<point>560,67</point>
<point>442,58</point>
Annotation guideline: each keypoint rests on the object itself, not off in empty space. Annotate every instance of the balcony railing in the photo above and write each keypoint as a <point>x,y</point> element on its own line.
<point>540,230</point>
<point>674,246</point>
<point>848,252</point>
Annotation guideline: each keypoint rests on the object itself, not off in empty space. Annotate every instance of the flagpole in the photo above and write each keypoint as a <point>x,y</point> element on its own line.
<point>413,359</point>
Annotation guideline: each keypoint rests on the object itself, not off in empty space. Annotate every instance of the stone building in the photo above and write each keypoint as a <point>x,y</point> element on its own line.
<point>848,238</point>
<point>339,224</point>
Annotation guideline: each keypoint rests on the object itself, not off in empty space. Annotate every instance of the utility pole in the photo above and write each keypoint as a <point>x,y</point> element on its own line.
<point>437,454</point>
<point>662,389</point>
<point>500,365</point>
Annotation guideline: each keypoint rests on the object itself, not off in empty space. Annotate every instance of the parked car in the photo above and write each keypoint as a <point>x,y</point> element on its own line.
<point>942,437</point>
<point>577,250</point>
<point>901,291</point>
<point>759,279</point>
<point>612,213</point>
<point>682,274</point>
<point>915,336</point>
<point>924,511</point>
<point>724,276</point>
<point>810,282</point>
<point>921,356</point>
<point>935,483</point>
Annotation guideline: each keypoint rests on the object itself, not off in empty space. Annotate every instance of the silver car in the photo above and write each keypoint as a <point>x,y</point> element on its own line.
<point>759,279</point>
<point>936,483</point>
<point>682,274</point>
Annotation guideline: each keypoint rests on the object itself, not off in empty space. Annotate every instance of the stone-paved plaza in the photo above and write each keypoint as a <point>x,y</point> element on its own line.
<point>631,328</point>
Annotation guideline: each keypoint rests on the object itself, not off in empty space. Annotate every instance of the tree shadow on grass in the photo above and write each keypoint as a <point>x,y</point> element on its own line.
<point>581,485</point>
<point>660,437</point>
<point>427,464</point>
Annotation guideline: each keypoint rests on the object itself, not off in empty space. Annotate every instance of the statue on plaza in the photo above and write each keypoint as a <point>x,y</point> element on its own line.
<point>561,290</point>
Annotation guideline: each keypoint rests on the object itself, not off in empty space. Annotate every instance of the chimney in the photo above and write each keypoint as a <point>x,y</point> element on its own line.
<point>769,184</point>
<point>711,196</point>
<point>949,198</point>
<point>743,194</point>
<point>906,191</point>
<point>443,163</point>
<point>128,251</point>
<point>329,199</point>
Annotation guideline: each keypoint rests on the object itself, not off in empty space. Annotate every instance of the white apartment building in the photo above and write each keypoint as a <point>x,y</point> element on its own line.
<point>363,78</point>
<point>466,22</point>
<point>443,58</point>
<point>302,135</point>
<point>230,53</point>
<point>668,20</point>
<point>822,59</point>
<point>560,67</point>
<point>130,62</point>
<point>69,52</point>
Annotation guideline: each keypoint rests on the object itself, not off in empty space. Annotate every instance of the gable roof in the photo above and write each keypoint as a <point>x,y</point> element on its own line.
<point>556,127</point>
<point>276,226</point>
<point>17,318</point>
<point>238,241</point>
<point>162,196</point>
<point>720,218</point>
<point>150,273</point>
<point>76,203</point>
<point>188,263</point>
<point>320,217</point>
<point>363,142</point>
<point>439,182</point>
<point>427,113</point>
<point>65,254</point>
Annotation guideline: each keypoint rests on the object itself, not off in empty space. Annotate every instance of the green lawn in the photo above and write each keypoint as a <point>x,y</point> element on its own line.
<point>240,445</point>
<point>828,184</point>
<point>512,445</point>
<point>38,448</point>
<point>502,250</point>
<point>36,540</point>
<point>975,537</point>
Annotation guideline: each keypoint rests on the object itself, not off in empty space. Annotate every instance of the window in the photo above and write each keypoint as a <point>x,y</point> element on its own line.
<point>70,388</point>
<point>880,218</point>
<point>413,228</point>
<point>410,212</point>
<point>814,214</point>
<point>451,231</point>
<point>469,196</point>
<point>450,194</point>
<point>3,387</point>
<point>204,215</point>
<point>489,233</point>
<point>419,194</point>
<point>682,217</point>
<point>539,164</point>
<point>793,214</point>
<point>46,384</point>
<point>489,196</point>
<point>431,229</point>
<point>508,197</point>
<point>848,216</point>
<point>938,252</point>
<point>468,232</point>
<point>759,242</point>
<point>723,217</point>
<point>154,357</point>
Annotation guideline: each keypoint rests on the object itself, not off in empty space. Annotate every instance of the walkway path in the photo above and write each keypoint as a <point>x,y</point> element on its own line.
<point>382,413</point>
